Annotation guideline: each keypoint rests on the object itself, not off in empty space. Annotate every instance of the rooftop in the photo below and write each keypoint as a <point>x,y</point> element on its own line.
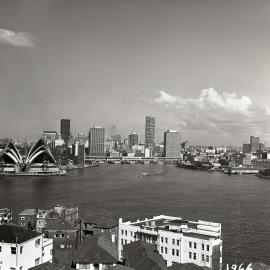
<point>28,212</point>
<point>143,256</point>
<point>60,225</point>
<point>120,267</point>
<point>96,250</point>
<point>186,266</point>
<point>14,234</point>
<point>50,266</point>
<point>101,221</point>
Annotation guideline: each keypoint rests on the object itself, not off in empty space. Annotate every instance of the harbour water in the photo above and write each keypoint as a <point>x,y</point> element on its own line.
<point>240,202</point>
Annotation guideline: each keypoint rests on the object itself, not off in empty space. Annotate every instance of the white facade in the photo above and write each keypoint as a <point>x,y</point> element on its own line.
<point>25,255</point>
<point>91,266</point>
<point>178,241</point>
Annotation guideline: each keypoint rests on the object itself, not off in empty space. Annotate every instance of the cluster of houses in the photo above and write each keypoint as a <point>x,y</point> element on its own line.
<point>60,239</point>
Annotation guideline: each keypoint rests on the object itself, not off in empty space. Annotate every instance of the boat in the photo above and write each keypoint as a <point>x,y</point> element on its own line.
<point>142,174</point>
<point>264,174</point>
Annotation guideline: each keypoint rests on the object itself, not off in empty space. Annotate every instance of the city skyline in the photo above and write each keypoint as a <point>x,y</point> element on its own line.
<point>200,69</point>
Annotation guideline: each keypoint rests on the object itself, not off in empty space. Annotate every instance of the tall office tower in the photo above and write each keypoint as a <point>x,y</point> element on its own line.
<point>65,129</point>
<point>254,144</point>
<point>246,148</point>
<point>133,139</point>
<point>150,123</point>
<point>81,154</point>
<point>172,141</point>
<point>97,141</point>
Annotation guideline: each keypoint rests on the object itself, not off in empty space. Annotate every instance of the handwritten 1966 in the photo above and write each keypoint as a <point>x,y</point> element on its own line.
<point>238,267</point>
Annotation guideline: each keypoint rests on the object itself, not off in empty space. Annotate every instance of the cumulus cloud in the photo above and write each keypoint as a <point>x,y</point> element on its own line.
<point>18,39</point>
<point>214,112</point>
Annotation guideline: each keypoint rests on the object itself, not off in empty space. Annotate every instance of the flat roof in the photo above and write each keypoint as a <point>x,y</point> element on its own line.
<point>28,212</point>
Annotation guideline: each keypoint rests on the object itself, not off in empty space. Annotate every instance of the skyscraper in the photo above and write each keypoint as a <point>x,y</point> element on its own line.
<point>133,139</point>
<point>97,141</point>
<point>150,123</point>
<point>65,129</point>
<point>172,140</point>
<point>254,144</point>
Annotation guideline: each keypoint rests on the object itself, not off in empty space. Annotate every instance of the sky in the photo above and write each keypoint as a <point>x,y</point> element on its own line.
<point>199,66</point>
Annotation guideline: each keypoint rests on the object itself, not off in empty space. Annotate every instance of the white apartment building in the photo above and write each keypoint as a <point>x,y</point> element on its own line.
<point>21,249</point>
<point>177,240</point>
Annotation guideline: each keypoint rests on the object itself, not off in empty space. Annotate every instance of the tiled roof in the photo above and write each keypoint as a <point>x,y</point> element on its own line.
<point>96,250</point>
<point>50,266</point>
<point>186,266</point>
<point>14,234</point>
<point>60,225</point>
<point>143,256</point>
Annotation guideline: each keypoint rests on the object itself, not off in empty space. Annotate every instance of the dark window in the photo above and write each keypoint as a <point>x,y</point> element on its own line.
<point>194,256</point>
<point>207,247</point>
<point>190,255</point>
<point>13,250</point>
<point>190,244</point>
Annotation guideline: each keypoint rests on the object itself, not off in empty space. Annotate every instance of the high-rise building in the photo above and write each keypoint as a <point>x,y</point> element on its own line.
<point>65,129</point>
<point>172,144</point>
<point>81,154</point>
<point>254,143</point>
<point>133,139</point>
<point>246,148</point>
<point>97,141</point>
<point>150,123</point>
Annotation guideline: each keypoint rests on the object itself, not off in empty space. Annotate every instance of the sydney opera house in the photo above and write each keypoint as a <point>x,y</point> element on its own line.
<point>38,161</point>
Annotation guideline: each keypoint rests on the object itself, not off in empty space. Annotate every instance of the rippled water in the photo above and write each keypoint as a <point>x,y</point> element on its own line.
<point>240,203</point>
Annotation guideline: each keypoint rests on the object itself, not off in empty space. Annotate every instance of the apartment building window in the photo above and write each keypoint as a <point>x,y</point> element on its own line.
<point>131,234</point>
<point>166,250</point>
<point>194,256</point>
<point>207,258</point>
<point>21,250</point>
<point>125,242</point>
<point>173,241</point>
<point>190,244</point>
<point>0,248</point>
<point>161,249</point>
<point>56,235</point>
<point>178,242</point>
<point>21,268</point>
<point>177,253</point>
<point>173,252</point>
<point>122,232</point>
<point>126,233</point>
<point>203,258</point>
<point>67,235</point>
<point>202,246</point>
<point>161,239</point>
<point>195,245</point>
<point>166,240</point>
<point>37,261</point>
<point>13,250</point>
<point>207,247</point>
<point>122,241</point>
<point>190,255</point>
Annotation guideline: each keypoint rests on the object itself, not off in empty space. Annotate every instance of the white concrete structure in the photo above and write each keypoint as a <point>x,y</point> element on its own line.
<point>177,240</point>
<point>21,249</point>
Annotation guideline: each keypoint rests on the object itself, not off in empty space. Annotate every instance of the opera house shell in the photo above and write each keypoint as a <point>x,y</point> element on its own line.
<point>39,160</point>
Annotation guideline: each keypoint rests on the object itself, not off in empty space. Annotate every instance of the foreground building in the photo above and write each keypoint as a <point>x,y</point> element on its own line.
<point>22,249</point>
<point>177,240</point>
<point>95,253</point>
<point>172,143</point>
<point>39,160</point>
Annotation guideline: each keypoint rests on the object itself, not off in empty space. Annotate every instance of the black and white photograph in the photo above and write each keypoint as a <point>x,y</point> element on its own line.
<point>134,134</point>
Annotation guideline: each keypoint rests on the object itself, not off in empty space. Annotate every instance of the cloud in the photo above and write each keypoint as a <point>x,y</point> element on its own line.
<point>17,39</point>
<point>214,113</point>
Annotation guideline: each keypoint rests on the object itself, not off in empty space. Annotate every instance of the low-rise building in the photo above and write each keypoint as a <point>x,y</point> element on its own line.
<point>22,249</point>
<point>140,255</point>
<point>50,266</point>
<point>177,240</point>
<point>95,253</point>
<point>27,219</point>
<point>5,216</point>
